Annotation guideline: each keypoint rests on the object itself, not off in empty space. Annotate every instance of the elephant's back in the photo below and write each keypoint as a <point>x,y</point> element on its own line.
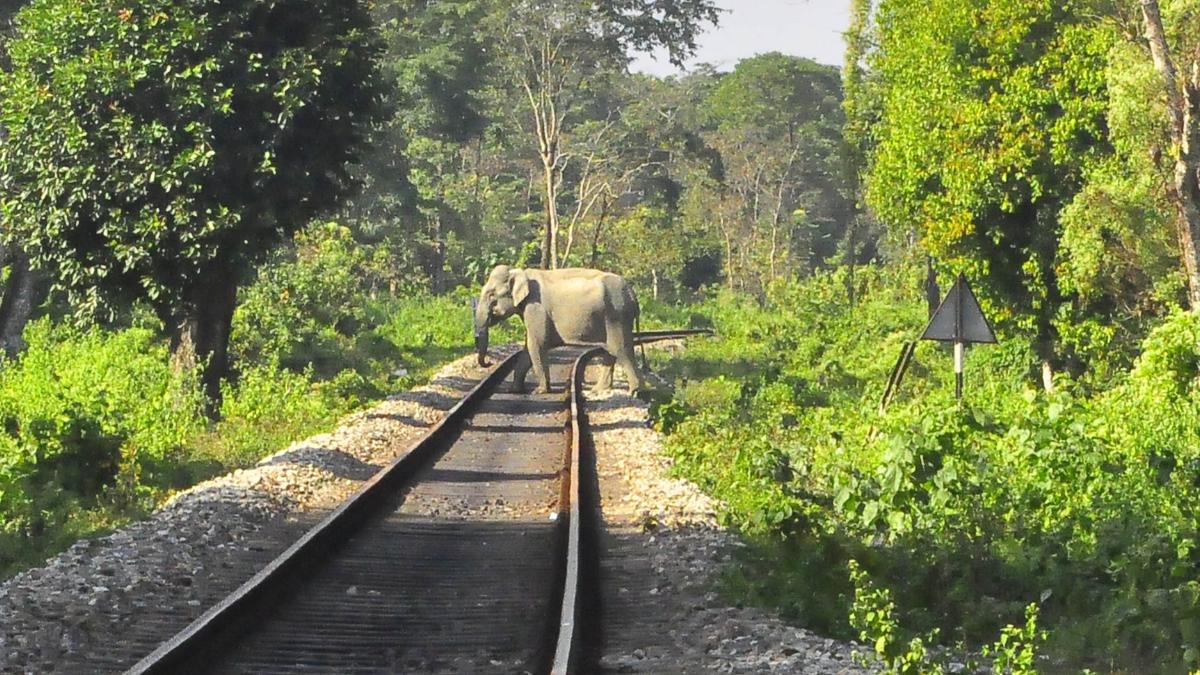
<point>580,302</point>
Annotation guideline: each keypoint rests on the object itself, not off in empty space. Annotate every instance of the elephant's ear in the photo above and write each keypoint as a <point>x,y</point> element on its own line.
<point>520,286</point>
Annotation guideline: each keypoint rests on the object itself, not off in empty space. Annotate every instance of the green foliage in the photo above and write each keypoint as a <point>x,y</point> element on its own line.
<point>314,307</point>
<point>1016,649</point>
<point>269,408</point>
<point>150,141</point>
<point>88,418</point>
<point>332,305</point>
<point>1170,359</point>
<point>874,616</point>
<point>1083,501</point>
<point>991,113</point>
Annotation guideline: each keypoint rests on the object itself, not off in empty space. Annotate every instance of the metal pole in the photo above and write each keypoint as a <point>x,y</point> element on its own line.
<point>958,337</point>
<point>958,369</point>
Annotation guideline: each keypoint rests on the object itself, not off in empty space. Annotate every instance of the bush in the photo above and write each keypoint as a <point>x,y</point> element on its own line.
<point>83,413</point>
<point>1084,501</point>
<point>269,408</point>
<point>311,310</point>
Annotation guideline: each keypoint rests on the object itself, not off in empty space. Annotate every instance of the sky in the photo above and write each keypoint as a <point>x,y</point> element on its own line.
<point>811,28</point>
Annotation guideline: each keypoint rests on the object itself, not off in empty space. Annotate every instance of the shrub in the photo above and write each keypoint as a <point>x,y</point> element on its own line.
<point>310,309</point>
<point>1084,501</point>
<point>83,412</point>
<point>269,408</point>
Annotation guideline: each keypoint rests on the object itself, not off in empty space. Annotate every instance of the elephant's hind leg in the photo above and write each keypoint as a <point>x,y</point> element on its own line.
<point>620,346</point>
<point>604,380</point>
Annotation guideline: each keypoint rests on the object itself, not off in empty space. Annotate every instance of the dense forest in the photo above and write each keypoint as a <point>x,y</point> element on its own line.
<point>226,223</point>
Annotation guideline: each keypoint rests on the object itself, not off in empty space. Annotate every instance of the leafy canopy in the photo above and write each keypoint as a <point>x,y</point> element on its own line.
<point>150,140</point>
<point>990,112</point>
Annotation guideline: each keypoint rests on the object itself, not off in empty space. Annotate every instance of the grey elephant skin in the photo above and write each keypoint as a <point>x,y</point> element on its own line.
<point>573,306</point>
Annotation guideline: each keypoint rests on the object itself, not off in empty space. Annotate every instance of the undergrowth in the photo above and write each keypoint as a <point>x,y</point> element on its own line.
<point>96,429</point>
<point>1082,502</point>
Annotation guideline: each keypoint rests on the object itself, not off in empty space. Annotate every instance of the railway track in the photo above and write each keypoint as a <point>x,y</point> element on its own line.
<point>474,551</point>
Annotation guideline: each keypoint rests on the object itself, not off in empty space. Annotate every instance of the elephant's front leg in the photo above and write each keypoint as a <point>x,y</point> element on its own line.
<point>520,371</point>
<point>541,367</point>
<point>537,344</point>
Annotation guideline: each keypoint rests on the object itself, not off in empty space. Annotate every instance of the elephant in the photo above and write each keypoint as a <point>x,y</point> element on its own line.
<point>573,306</point>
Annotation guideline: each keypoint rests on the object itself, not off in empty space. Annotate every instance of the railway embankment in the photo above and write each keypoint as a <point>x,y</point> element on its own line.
<point>662,556</point>
<point>105,602</point>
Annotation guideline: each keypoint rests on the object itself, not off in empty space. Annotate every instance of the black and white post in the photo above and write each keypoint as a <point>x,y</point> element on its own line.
<point>959,346</point>
<point>960,320</point>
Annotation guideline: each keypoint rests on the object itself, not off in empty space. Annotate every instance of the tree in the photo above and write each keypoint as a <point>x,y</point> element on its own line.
<point>991,112</point>
<point>549,53</point>
<point>778,126</point>
<point>159,149</point>
<point>1183,107</point>
<point>857,106</point>
<point>26,287</point>
<point>628,181</point>
<point>416,189</point>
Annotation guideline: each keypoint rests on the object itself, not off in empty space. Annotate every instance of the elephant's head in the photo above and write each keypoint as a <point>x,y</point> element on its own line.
<point>500,298</point>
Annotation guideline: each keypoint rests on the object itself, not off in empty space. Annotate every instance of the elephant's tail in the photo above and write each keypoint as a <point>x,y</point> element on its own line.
<point>637,328</point>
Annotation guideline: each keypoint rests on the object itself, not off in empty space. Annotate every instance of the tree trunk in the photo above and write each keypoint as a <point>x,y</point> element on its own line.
<point>438,254</point>
<point>1183,105</point>
<point>551,237</point>
<point>851,257</point>
<point>1044,346</point>
<point>933,294</point>
<point>595,257</point>
<point>1187,188</point>
<point>728,255</point>
<point>200,338</point>
<point>546,243</point>
<point>25,291</point>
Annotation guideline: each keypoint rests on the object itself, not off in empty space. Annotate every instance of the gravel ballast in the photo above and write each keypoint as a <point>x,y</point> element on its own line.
<point>663,554</point>
<point>105,602</point>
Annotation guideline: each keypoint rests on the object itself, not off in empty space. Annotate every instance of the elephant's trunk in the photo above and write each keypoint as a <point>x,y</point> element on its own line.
<point>481,334</point>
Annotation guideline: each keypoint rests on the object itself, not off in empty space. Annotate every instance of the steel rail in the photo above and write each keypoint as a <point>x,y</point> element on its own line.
<point>647,336</point>
<point>569,643</point>
<point>194,645</point>
<point>579,578</point>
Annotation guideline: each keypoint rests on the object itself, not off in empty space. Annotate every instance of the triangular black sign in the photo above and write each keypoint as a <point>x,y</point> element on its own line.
<point>959,318</point>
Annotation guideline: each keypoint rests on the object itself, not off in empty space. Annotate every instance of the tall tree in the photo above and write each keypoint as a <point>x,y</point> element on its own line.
<point>26,287</point>
<point>417,190</point>
<point>549,54</point>
<point>159,149</point>
<point>1183,107</point>
<point>861,108</point>
<point>991,110</point>
<point>778,126</point>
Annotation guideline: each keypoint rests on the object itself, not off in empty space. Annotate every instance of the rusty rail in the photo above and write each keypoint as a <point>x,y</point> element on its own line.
<point>648,336</point>
<point>569,643</point>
